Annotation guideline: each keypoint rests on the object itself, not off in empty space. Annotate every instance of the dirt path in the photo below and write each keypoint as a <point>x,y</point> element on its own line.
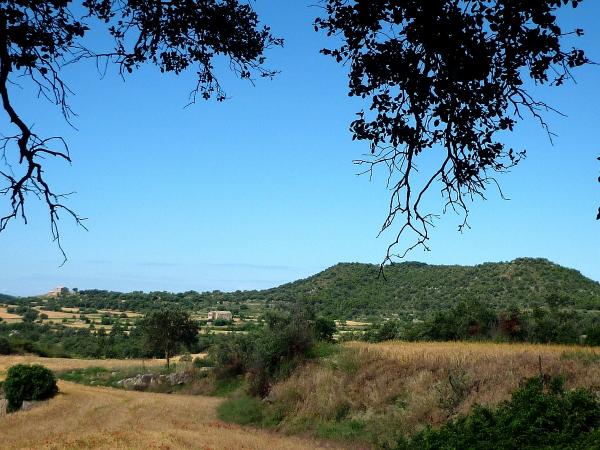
<point>91,417</point>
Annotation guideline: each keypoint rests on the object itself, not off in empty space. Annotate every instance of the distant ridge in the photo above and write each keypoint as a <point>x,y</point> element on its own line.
<point>354,289</point>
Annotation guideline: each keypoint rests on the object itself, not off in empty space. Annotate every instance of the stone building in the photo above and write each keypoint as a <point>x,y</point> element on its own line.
<point>220,315</point>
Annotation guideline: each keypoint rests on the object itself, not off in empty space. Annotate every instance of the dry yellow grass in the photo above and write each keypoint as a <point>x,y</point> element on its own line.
<point>92,417</point>
<point>56,314</point>
<point>59,364</point>
<point>353,323</point>
<point>404,386</point>
<point>5,315</point>
<point>103,418</point>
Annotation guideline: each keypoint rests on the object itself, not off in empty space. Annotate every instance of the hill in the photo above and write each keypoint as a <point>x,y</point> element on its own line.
<point>355,290</point>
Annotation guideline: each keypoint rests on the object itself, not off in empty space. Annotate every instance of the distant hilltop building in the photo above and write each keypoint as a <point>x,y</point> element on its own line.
<point>58,291</point>
<point>220,315</point>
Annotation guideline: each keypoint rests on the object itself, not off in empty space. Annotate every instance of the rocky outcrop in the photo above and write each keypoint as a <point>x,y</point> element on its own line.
<point>150,381</point>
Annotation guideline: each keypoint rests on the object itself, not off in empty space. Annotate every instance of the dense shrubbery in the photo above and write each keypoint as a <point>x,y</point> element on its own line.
<point>63,341</point>
<point>474,320</point>
<point>539,415</point>
<point>25,382</point>
<point>272,352</point>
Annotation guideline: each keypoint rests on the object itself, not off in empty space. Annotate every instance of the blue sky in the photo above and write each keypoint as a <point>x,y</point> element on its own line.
<point>261,189</point>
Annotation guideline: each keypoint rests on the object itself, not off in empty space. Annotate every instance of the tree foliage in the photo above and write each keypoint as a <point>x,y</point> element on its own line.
<point>24,382</point>
<point>39,38</point>
<point>447,78</point>
<point>167,330</point>
<point>269,353</point>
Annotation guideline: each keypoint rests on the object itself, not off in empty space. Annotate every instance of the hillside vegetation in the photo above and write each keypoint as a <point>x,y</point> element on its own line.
<point>353,290</point>
<point>379,394</point>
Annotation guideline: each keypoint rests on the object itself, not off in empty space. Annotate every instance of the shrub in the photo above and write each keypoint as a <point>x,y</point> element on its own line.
<point>267,354</point>
<point>277,349</point>
<point>24,382</point>
<point>242,409</point>
<point>30,315</point>
<point>324,329</point>
<point>539,415</point>
<point>5,348</point>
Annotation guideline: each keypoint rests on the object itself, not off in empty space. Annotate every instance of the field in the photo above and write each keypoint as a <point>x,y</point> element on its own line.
<point>8,317</point>
<point>60,364</point>
<point>362,395</point>
<point>93,417</point>
<point>378,392</point>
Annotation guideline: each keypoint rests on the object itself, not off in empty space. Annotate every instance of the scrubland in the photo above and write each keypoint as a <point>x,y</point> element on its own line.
<point>378,392</point>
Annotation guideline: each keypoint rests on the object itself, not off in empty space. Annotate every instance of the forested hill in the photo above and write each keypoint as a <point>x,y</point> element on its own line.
<point>354,290</point>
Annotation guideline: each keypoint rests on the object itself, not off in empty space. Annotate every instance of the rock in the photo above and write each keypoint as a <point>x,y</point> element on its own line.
<point>144,381</point>
<point>27,405</point>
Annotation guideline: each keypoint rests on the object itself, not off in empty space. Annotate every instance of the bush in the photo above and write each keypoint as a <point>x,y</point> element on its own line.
<point>25,382</point>
<point>277,349</point>
<point>324,329</point>
<point>267,354</point>
<point>539,415</point>
<point>242,409</point>
<point>5,348</point>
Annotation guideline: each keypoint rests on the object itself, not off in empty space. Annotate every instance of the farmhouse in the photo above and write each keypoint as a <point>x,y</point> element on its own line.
<point>222,315</point>
<point>58,291</point>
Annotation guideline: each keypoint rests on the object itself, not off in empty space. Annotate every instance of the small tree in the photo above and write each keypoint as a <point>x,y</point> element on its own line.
<point>324,329</point>
<point>30,315</point>
<point>167,329</point>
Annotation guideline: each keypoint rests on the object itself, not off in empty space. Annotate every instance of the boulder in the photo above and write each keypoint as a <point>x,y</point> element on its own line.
<point>143,382</point>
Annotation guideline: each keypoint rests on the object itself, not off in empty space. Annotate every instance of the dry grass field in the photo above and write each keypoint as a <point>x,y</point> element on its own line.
<point>93,417</point>
<point>9,317</point>
<point>104,418</point>
<point>56,314</point>
<point>405,386</point>
<point>59,364</point>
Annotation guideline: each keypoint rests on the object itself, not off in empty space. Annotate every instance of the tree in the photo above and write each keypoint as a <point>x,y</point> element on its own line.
<point>167,329</point>
<point>30,315</point>
<point>38,38</point>
<point>324,328</point>
<point>445,75</point>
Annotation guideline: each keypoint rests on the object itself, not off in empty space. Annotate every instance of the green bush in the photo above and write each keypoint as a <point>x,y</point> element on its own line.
<point>277,349</point>
<point>24,382</point>
<point>267,354</point>
<point>242,409</point>
<point>5,348</point>
<point>324,329</point>
<point>539,415</point>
